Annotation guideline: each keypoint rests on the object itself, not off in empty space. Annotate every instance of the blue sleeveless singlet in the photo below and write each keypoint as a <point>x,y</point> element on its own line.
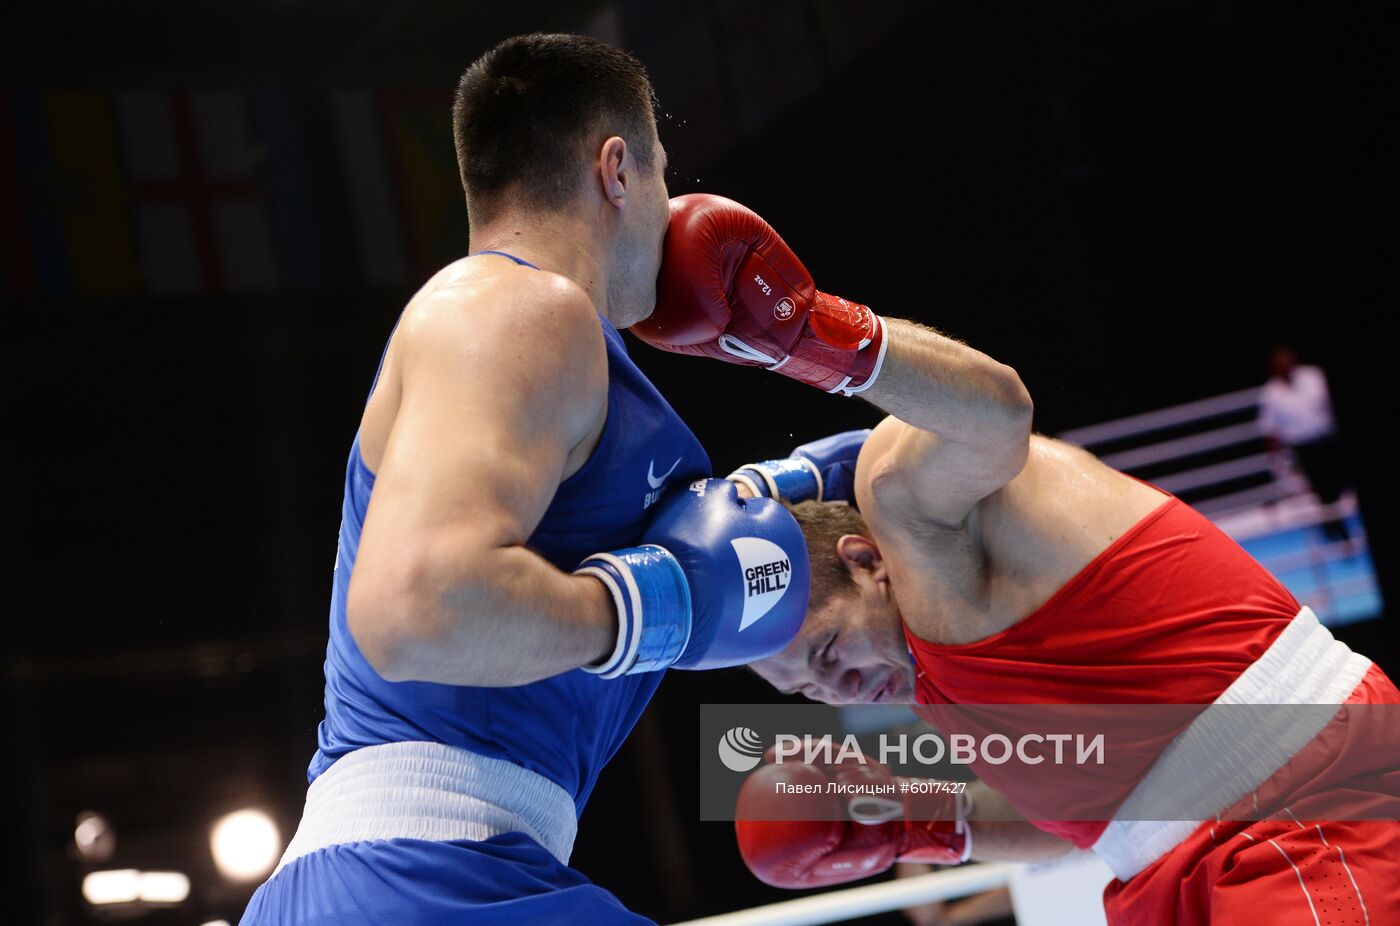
<point>566,727</point>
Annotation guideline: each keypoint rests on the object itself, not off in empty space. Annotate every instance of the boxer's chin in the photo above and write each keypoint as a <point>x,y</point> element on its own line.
<point>627,308</point>
<point>906,694</point>
<point>633,318</point>
<point>640,313</point>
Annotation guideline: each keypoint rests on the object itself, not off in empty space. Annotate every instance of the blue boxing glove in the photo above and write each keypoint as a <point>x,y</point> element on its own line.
<point>718,581</point>
<point>823,470</point>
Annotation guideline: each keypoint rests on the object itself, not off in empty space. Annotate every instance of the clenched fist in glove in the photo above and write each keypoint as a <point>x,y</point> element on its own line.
<point>718,581</point>
<point>808,824</point>
<point>821,470</point>
<point>729,288</point>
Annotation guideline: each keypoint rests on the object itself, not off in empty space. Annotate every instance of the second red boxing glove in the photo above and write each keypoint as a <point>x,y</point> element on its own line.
<point>794,832</point>
<point>731,289</point>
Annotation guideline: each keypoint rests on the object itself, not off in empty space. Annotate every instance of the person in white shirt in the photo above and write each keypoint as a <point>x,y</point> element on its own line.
<point>1295,411</point>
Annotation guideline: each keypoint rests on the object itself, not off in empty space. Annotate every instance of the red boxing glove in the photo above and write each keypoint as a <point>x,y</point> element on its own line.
<point>729,288</point>
<point>808,837</point>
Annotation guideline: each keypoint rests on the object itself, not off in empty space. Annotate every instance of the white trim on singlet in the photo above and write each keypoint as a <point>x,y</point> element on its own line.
<point>1226,755</point>
<point>435,792</point>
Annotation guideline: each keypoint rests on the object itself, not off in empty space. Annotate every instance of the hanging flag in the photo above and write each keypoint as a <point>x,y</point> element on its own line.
<point>418,132</point>
<point>79,232</point>
<point>372,200</point>
<point>281,147</point>
<point>170,255</point>
<point>197,197</point>
<point>228,169</point>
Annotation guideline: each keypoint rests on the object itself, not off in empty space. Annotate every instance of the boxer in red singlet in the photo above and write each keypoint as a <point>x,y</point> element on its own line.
<point>1072,583</point>
<point>1019,569</point>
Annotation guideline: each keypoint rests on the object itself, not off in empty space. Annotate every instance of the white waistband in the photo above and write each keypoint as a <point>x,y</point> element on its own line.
<point>1224,755</point>
<point>431,791</point>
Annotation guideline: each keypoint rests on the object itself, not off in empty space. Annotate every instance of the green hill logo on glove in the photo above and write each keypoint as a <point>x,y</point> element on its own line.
<point>767,574</point>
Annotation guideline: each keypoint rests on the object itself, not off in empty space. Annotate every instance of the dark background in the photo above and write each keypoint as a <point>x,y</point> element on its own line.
<point>1128,201</point>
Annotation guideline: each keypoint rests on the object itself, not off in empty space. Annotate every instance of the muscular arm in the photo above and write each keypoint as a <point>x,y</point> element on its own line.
<point>961,431</point>
<point>496,389</point>
<point>937,384</point>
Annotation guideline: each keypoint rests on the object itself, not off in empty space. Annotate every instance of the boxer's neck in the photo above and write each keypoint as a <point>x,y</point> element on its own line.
<point>561,242</point>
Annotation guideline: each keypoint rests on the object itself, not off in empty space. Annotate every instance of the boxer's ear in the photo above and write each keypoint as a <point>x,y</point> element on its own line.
<point>861,553</point>
<point>612,166</point>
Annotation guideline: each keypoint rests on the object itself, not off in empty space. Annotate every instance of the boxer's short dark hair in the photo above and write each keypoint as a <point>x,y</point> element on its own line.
<point>530,111</point>
<point>822,525</point>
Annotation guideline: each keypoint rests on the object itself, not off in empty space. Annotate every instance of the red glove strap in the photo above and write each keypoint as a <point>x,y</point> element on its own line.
<point>843,349</point>
<point>935,826</point>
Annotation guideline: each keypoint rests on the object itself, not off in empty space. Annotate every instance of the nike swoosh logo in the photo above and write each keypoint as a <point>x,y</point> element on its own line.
<point>656,481</point>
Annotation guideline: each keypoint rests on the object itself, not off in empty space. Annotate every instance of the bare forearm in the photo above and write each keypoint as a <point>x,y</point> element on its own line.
<point>1015,841</point>
<point>511,619</point>
<point>1000,834</point>
<point>941,385</point>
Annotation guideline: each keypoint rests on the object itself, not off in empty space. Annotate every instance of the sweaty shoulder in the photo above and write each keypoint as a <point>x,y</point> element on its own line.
<point>518,310</point>
<point>877,482</point>
<point>528,337</point>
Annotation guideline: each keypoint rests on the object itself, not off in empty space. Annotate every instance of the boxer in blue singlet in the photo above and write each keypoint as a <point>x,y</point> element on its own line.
<point>495,628</point>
